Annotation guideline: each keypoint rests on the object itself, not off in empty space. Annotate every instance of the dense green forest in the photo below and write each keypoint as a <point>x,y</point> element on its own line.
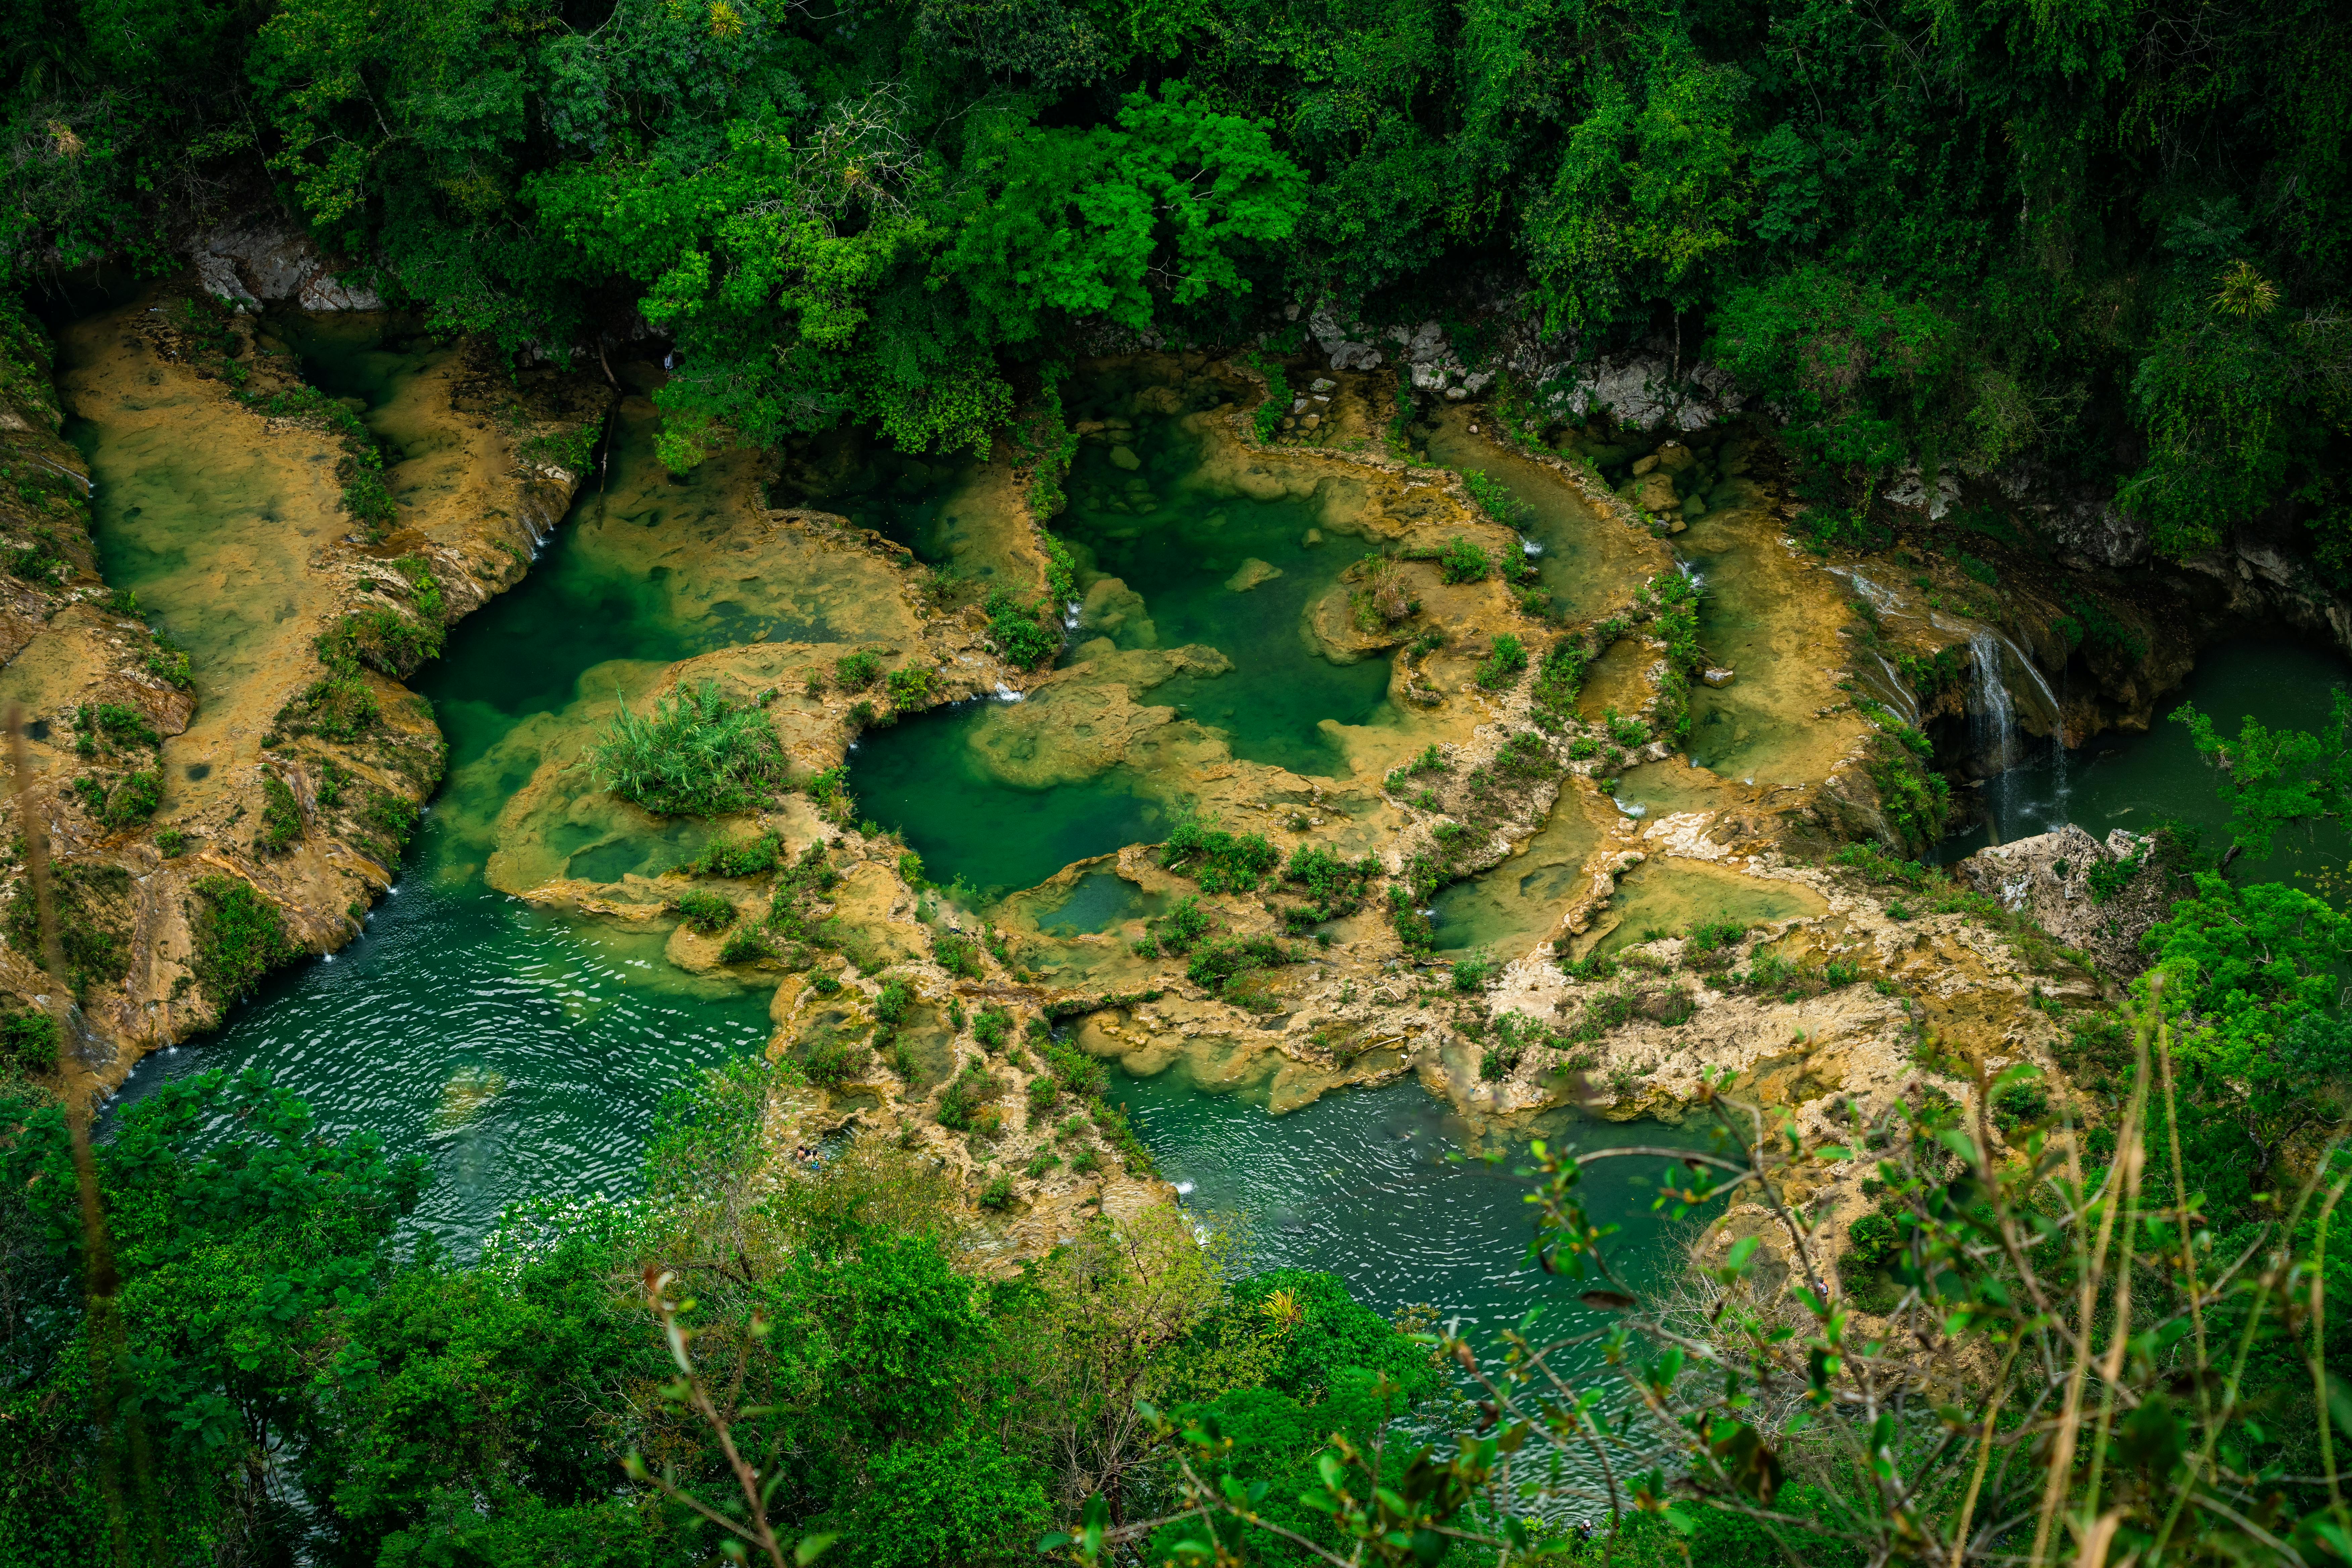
<point>2112,238</point>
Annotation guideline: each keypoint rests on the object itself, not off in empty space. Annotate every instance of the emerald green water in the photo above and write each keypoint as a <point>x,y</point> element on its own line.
<point>1359,1183</point>
<point>2136,782</point>
<point>924,779</point>
<point>1097,901</point>
<point>1184,539</point>
<point>522,1053</point>
<point>1171,550</point>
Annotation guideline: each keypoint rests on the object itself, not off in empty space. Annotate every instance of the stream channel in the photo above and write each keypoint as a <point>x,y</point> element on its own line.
<point>523,1052</point>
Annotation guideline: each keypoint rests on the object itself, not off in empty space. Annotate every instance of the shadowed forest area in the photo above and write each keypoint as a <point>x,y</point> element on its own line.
<point>2111,239</point>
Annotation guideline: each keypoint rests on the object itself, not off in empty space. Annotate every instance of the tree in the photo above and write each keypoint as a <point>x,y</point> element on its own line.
<point>1068,225</point>
<point>2269,778</point>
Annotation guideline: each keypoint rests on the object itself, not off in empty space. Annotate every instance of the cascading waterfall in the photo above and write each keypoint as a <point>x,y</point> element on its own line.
<point>1992,717</point>
<point>1993,731</point>
<point>1992,725</point>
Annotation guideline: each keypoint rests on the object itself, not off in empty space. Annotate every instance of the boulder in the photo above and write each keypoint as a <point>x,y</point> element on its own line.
<point>1674,457</point>
<point>1655,491</point>
<point>262,261</point>
<point>2048,878</point>
<point>1253,572</point>
<point>1720,677</point>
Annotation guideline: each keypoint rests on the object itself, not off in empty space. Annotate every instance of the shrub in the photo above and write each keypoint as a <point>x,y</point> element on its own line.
<point>1875,1245</point>
<point>1495,499</point>
<point>118,722</point>
<point>239,936</point>
<point>2108,878</point>
<point>957,953</point>
<point>1216,964</point>
<point>1333,887</point>
<point>133,800</point>
<point>1086,1161</point>
<point>168,661</point>
<point>738,857</point>
<point>1476,973</point>
<point>1504,664</point>
<point>1017,633</point>
<point>706,911</point>
<point>1221,862</point>
<point>1268,416</point>
<point>992,1027</point>
<point>1916,801</point>
<point>1711,936</point>
<point>965,1105</point>
<point>1184,925</point>
<point>1559,678</point>
<point>281,816</point>
<point>28,1042</point>
<point>1380,598</point>
<point>698,754</point>
<point>997,1195</point>
<point>1462,561</point>
<point>833,1061</point>
<point>911,686</point>
<point>1878,867</point>
<point>2021,1105</point>
<point>745,944</point>
<point>171,842</point>
<point>856,671</point>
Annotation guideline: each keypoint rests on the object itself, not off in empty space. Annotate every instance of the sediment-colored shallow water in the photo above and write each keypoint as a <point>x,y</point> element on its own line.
<point>521,1052</point>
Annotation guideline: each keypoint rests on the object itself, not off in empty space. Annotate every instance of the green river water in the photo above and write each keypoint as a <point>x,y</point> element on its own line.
<point>2136,782</point>
<point>1142,513</point>
<point>523,1053</point>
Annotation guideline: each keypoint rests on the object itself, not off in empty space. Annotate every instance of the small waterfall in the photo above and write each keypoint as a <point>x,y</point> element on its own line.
<point>1993,733</point>
<point>1992,718</point>
<point>1879,597</point>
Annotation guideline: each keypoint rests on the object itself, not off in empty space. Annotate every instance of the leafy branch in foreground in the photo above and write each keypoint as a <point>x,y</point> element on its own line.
<point>2062,1373</point>
<point>748,1526</point>
<point>696,754</point>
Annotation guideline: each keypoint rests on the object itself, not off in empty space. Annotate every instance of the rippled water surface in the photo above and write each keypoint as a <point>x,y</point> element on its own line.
<point>522,1055</point>
<point>1357,1183</point>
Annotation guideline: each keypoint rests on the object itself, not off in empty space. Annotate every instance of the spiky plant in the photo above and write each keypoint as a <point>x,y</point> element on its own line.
<point>695,754</point>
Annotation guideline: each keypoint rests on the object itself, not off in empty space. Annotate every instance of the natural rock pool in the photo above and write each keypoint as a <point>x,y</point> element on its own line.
<point>522,1049</point>
<point>523,1000</point>
<point>2136,782</point>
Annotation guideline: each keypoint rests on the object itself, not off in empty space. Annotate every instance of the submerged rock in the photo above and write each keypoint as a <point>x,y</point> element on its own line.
<point>1252,572</point>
